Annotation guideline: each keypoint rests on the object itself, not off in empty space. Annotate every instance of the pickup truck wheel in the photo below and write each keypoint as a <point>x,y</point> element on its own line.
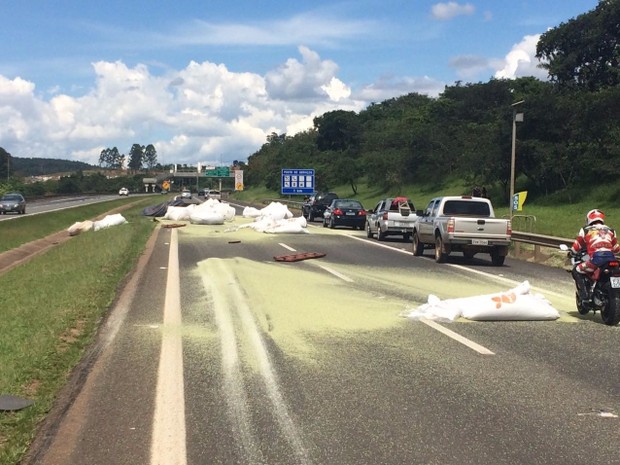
<point>418,247</point>
<point>380,234</point>
<point>332,225</point>
<point>440,255</point>
<point>497,260</point>
<point>368,231</point>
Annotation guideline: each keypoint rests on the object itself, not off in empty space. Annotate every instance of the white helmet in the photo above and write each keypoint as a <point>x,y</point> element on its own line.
<point>595,216</point>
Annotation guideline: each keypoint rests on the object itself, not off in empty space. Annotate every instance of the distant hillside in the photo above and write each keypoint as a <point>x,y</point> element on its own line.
<point>42,166</point>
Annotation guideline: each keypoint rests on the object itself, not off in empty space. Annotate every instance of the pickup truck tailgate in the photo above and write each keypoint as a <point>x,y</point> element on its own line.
<point>480,228</point>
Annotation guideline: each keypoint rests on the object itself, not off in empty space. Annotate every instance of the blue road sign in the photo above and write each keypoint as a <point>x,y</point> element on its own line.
<point>296,181</point>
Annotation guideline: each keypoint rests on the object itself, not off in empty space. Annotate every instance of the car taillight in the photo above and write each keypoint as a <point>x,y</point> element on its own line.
<point>509,228</point>
<point>337,211</point>
<point>614,264</point>
<point>450,225</point>
<point>362,213</point>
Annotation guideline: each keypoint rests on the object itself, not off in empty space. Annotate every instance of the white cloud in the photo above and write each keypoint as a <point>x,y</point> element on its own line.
<point>449,10</point>
<point>390,87</point>
<point>308,28</point>
<point>310,79</point>
<point>203,112</point>
<point>520,61</point>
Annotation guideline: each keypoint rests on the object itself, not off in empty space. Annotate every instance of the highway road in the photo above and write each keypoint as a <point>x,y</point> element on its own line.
<point>216,353</point>
<point>50,205</point>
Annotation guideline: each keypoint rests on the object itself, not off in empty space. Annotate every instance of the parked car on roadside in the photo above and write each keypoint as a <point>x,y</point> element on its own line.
<point>123,191</point>
<point>345,212</point>
<point>13,202</point>
<point>314,206</point>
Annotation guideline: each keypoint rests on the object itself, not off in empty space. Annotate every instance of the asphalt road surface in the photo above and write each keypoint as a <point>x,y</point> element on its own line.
<point>216,353</point>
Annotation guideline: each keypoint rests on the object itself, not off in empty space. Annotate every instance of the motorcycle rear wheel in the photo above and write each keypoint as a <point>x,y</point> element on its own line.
<point>610,313</point>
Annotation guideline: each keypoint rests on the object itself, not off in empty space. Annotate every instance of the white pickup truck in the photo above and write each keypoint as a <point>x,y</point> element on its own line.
<point>391,216</point>
<point>461,224</point>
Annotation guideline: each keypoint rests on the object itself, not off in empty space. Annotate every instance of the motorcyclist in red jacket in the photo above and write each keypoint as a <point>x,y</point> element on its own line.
<point>600,243</point>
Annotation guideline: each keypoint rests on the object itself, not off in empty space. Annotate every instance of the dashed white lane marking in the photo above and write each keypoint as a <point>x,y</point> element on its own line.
<point>324,267</point>
<point>335,273</point>
<point>287,247</point>
<point>168,446</point>
<point>457,337</point>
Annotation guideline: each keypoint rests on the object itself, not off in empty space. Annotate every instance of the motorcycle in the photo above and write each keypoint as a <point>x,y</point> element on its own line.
<point>603,288</point>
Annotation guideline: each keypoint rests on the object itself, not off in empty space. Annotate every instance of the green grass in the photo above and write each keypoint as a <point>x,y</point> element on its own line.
<point>32,227</point>
<point>50,317</point>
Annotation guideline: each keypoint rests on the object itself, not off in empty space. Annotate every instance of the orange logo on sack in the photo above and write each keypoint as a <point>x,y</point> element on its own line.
<point>509,298</point>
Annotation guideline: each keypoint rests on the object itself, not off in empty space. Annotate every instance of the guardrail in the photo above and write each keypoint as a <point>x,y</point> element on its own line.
<point>538,241</point>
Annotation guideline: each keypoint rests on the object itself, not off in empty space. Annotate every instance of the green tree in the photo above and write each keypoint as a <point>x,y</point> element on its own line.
<point>585,51</point>
<point>5,164</point>
<point>68,185</point>
<point>111,158</point>
<point>150,156</point>
<point>136,156</point>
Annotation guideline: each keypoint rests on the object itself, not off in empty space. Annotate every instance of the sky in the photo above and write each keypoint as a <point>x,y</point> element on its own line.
<point>207,81</point>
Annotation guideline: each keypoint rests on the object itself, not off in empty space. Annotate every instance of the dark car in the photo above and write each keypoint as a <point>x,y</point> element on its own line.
<point>316,205</point>
<point>13,202</point>
<point>345,212</point>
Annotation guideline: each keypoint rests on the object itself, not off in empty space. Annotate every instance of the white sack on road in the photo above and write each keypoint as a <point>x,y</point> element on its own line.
<point>513,305</point>
<point>289,226</point>
<point>212,211</point>
<point>80,227</point>
<point>109,221</point>
<point>275,218</point>
<point>251,212</point>
<point>179,213</point>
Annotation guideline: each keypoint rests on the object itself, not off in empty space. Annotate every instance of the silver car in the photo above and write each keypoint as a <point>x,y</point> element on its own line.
<point>13,202</point>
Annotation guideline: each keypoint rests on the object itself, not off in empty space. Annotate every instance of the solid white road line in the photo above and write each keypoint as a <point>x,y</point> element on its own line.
<point>168,445</point>
<point>495,277</point>
<point>457,337</point>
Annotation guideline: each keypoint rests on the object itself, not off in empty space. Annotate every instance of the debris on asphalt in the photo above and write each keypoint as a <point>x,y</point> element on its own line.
<point>298,256</point>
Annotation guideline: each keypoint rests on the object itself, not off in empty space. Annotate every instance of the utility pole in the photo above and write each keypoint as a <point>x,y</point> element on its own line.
<point>516,118</point>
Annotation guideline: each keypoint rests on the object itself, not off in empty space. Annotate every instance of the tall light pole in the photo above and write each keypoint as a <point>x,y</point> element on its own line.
<point>516,118</point>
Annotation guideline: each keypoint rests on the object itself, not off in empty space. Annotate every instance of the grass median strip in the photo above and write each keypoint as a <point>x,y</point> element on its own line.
<point>32,227</point>
<point>51,308</point>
